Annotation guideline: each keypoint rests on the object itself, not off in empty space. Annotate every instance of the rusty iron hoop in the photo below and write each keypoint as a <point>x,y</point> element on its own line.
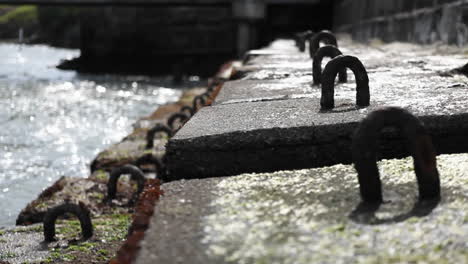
<point>332,68</point>
<point>301,39</point>
<point>158,128</point>
<point>326,51</point>
<point>325,36</point>
<point>150,159</point>
<point>177,116</point>
<point>364,151</point>
<point>79,211</point>
<point>187,110</point>
<point>136,175</point>
<point>199,100</point>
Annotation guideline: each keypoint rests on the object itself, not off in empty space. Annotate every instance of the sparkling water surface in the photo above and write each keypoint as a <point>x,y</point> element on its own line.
<point>54,122</point>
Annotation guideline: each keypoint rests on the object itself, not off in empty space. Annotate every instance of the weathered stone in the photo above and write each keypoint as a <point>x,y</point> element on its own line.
<point>424,22</point>
<point>270,125</point>
<point>309,216</point>
<point>91,191</point>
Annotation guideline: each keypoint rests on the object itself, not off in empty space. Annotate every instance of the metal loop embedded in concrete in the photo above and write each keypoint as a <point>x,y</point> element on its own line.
<point>135,173</point>
<point>189,111</point>
<point>364,151</point>
<point>301,39</point>
<point>332,68</point>
<point>325,36</point>
<point>79,211</point>
<point>199,100</point>
<point>152,132</point>
<point>326,51</point>
<point>152,160</point>
<point>177,116</point>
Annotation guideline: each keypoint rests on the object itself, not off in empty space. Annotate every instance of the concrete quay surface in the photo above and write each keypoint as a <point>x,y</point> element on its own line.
<point>306,216</point>
<point>271,112</point>
<point>269,117</point>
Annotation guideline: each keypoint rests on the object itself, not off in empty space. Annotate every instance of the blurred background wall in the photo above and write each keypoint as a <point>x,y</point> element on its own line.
<point>196,36</point>
<point>420,21</point>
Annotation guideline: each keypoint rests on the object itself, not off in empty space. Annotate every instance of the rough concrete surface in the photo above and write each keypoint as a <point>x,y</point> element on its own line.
<point>306,216</point>
<point>178,213</point>
<point>22,247</point>
<point>274,122</point>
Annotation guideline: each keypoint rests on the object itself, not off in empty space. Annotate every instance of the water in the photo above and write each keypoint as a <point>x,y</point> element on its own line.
<point>54,122</point>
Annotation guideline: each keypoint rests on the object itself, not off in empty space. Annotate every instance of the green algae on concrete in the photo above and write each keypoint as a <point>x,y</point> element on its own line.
<point>90,191</point>
<point>304,217</point>
<point>25,244</point>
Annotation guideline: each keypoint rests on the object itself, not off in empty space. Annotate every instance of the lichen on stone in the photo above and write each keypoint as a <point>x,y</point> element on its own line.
<point>304,216</point>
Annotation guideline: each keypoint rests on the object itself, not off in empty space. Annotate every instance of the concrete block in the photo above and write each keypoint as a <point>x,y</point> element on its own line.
<point>306,216</point>
<point>290,134</point>
<point>259,125</point>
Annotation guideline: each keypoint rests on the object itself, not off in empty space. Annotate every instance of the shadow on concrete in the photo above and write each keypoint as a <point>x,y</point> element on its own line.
<point>365,213</point>
<point>401,203</point>
<point>341,109</point>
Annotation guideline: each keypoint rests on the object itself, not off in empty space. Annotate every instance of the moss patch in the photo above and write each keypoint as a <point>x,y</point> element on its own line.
<point>20,15</point>
<point>109,231</point>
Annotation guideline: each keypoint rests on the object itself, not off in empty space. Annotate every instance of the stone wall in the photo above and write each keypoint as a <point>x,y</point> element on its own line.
<point>158,39</point>
<point>420,21</point>
<point>187,38</point>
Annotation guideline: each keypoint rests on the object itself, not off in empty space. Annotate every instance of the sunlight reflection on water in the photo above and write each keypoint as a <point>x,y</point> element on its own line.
<point>54,122</point>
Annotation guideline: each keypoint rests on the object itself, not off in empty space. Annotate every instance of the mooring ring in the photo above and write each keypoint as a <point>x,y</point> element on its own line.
<point>188,110</point>
<point>158,128</point>
<point>301,39</point>
<point>150,159</point>
<point>332,68</point>
<point>326,51</point>
<point>199,100</point>
<point>325,36</point>
<point>135,173</point>
<point>364,151</point>
<point>177,116</point>
<point>79,211</point>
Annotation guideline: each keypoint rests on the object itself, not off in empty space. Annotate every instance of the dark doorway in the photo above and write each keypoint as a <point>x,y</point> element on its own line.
<point>282,20</point>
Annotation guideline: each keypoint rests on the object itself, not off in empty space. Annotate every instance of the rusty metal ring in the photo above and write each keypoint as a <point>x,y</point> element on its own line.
<point>364,150</point>
<point>325,36</point>
<point>328,81</point>
<point>326,51</point>
<point>297,38</point>
<point>135,173</point>
<point>79,211</point>
<point>187,110</point>
<point>301,39</point>
<point>152,132</point>
<point>199,100</point>
<point>150,159</point>
<point>177,116</point>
